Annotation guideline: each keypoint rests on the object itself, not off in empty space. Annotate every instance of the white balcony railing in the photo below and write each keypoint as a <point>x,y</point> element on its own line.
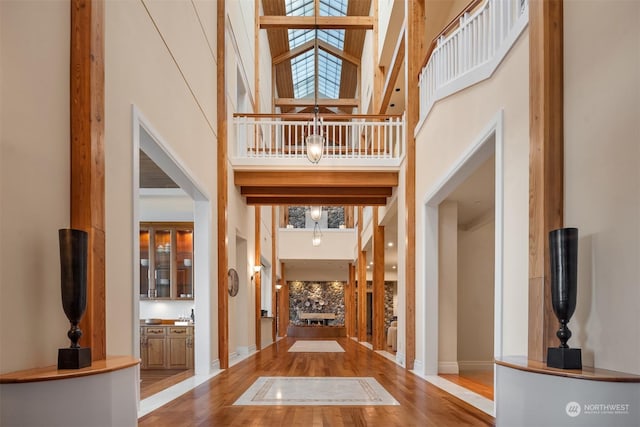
<point>470,50</point>
<point>350,140</point>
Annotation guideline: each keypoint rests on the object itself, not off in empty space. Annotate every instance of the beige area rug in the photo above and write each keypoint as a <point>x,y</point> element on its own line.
<point>326,346</point>
<point>316,391</point>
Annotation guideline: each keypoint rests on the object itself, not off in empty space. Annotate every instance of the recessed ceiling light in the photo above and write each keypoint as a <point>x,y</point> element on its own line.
<point>370,262</point>
<point>397,89</point>
<point>390,244</point>
<point>368,267</point>
<point>394,267</point>
<point>392,105</point>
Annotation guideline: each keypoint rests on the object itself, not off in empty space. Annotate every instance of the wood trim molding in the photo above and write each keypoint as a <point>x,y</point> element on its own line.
<point>546,164</point>
<point>274,271</point>
<point>351,302</point>
<point>87,201</point>
<point>222,196</point>
<point>321,102</point>
<point>284,302</point>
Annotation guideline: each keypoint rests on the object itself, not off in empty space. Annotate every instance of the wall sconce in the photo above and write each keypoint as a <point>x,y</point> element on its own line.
<point>256,270</point>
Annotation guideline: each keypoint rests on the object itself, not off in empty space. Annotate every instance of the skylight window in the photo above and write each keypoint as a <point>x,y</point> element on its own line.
<point>303,66</point>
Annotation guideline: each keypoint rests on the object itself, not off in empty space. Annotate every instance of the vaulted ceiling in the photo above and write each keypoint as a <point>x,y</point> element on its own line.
<point>294,51</point>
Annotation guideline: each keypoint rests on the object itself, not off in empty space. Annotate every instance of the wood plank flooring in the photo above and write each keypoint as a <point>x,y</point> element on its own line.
<point>480,382</point>
<point>421,404</point>
<point>154,380</point>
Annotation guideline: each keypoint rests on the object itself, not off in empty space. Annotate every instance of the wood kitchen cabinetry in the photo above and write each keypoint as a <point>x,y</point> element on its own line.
<point>166,260</point>
<point>166,347</point>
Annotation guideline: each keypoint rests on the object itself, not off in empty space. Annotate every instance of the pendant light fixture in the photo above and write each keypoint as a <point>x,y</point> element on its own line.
<point>315,137</point>
<point>315,212</point>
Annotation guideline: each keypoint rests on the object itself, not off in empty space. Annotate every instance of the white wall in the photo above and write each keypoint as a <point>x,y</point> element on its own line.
<point>158,57</point>
<point>337,244</point>
<point>448,288</point>
<point>602,177</point>
<point>475,295</point>
<point>34,179</point>
<point>440,144</point>
<point>165,205</point>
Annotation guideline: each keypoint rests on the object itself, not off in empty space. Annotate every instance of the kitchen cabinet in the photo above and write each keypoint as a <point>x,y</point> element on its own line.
<point>166,347</point>
<point>166,260</point>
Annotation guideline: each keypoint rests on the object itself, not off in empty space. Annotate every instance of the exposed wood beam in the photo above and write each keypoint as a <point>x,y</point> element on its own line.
<point>362,283</point>
<point>87,201</point>
<point>316,178</point>
<point>290,54</point>
<point>378,283</point>
<point>284,302</point>
<point>322,102</point>
<point>351,304</point>
<point>546,164</point>
<point>415,49</point>
<point>222,196</point>
<point>338,53</point>
<point>394,72</point>
<point>274,270</point>
<point>320,22</point>
<point>257,279</point>
<point>316,191</point>
<point>320,200</point>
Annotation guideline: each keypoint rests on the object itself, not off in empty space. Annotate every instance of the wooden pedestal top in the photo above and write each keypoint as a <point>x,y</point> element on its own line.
<point>52,373</point>
<point>586,373</point>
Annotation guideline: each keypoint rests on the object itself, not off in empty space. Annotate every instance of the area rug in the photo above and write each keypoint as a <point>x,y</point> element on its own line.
<point>326,346</point>
<point>316,391</point>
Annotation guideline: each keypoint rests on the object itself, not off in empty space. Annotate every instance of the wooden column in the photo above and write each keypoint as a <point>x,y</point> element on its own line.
<point>362,283</point>
<point>378,283</point>
<point>351,305</point>
<point>274,271</point>
<point>87,160</point>
<point>415,52</point>
<point>222,199</point>
<point>284,303</point>
<point>546,164</point>
<point>257,279</point>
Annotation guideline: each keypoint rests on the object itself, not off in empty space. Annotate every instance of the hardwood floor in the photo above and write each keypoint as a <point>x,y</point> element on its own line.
<point>154,380</point>
<point>421,404</point>
<point>480,382</point>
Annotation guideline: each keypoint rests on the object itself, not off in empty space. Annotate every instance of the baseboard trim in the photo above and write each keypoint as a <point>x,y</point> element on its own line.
<point>475,365</point>
<point>448,368</point>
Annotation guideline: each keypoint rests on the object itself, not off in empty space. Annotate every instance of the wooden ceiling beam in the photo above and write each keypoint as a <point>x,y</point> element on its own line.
<point>320,22</point>
<point>290,54</point>
<point>316,191</point>
<point>310,102</point>
<point>316,178</point>
<point>324,201</point>
<point>338,53</point>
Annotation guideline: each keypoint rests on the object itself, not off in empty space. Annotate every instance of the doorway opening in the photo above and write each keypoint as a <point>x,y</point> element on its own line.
<point>171,253</point>
<point>463,265</point>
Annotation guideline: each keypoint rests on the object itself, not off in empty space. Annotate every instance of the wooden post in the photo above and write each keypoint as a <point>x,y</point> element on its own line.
<point>274,270</point>
<point>415,51</point>
<point>284,303</point>
<point>87,160</point>
<point>362,283</point>
<point>257,279</point>
<point>351,306</point>
<point>378,283</point>
<point>222,199</point>
<point>546,164</point>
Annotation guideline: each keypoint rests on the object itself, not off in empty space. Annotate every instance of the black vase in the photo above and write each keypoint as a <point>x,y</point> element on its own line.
<point>563,254</point>
<point>73,286</point>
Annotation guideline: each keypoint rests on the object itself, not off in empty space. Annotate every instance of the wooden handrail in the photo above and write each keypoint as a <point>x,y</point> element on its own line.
<point>309,116</point>
<point>453,24</point>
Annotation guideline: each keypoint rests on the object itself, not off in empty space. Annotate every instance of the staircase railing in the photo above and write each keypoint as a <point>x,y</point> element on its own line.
<point>470,48</point>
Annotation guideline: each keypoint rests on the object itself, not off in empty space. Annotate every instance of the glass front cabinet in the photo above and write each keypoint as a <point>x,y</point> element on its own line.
<point>166,260</point>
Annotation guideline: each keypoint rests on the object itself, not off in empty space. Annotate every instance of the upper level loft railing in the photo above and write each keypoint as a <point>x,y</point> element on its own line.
<point>351,141</point>
<point>470,48</point>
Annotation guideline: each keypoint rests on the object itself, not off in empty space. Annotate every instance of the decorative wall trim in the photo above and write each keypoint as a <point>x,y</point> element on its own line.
<point>448,368</point>
<point>475,365</point>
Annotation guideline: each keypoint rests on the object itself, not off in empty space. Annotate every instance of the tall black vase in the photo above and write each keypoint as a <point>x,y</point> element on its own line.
<point>563,253</point>
<point>73,284</point>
